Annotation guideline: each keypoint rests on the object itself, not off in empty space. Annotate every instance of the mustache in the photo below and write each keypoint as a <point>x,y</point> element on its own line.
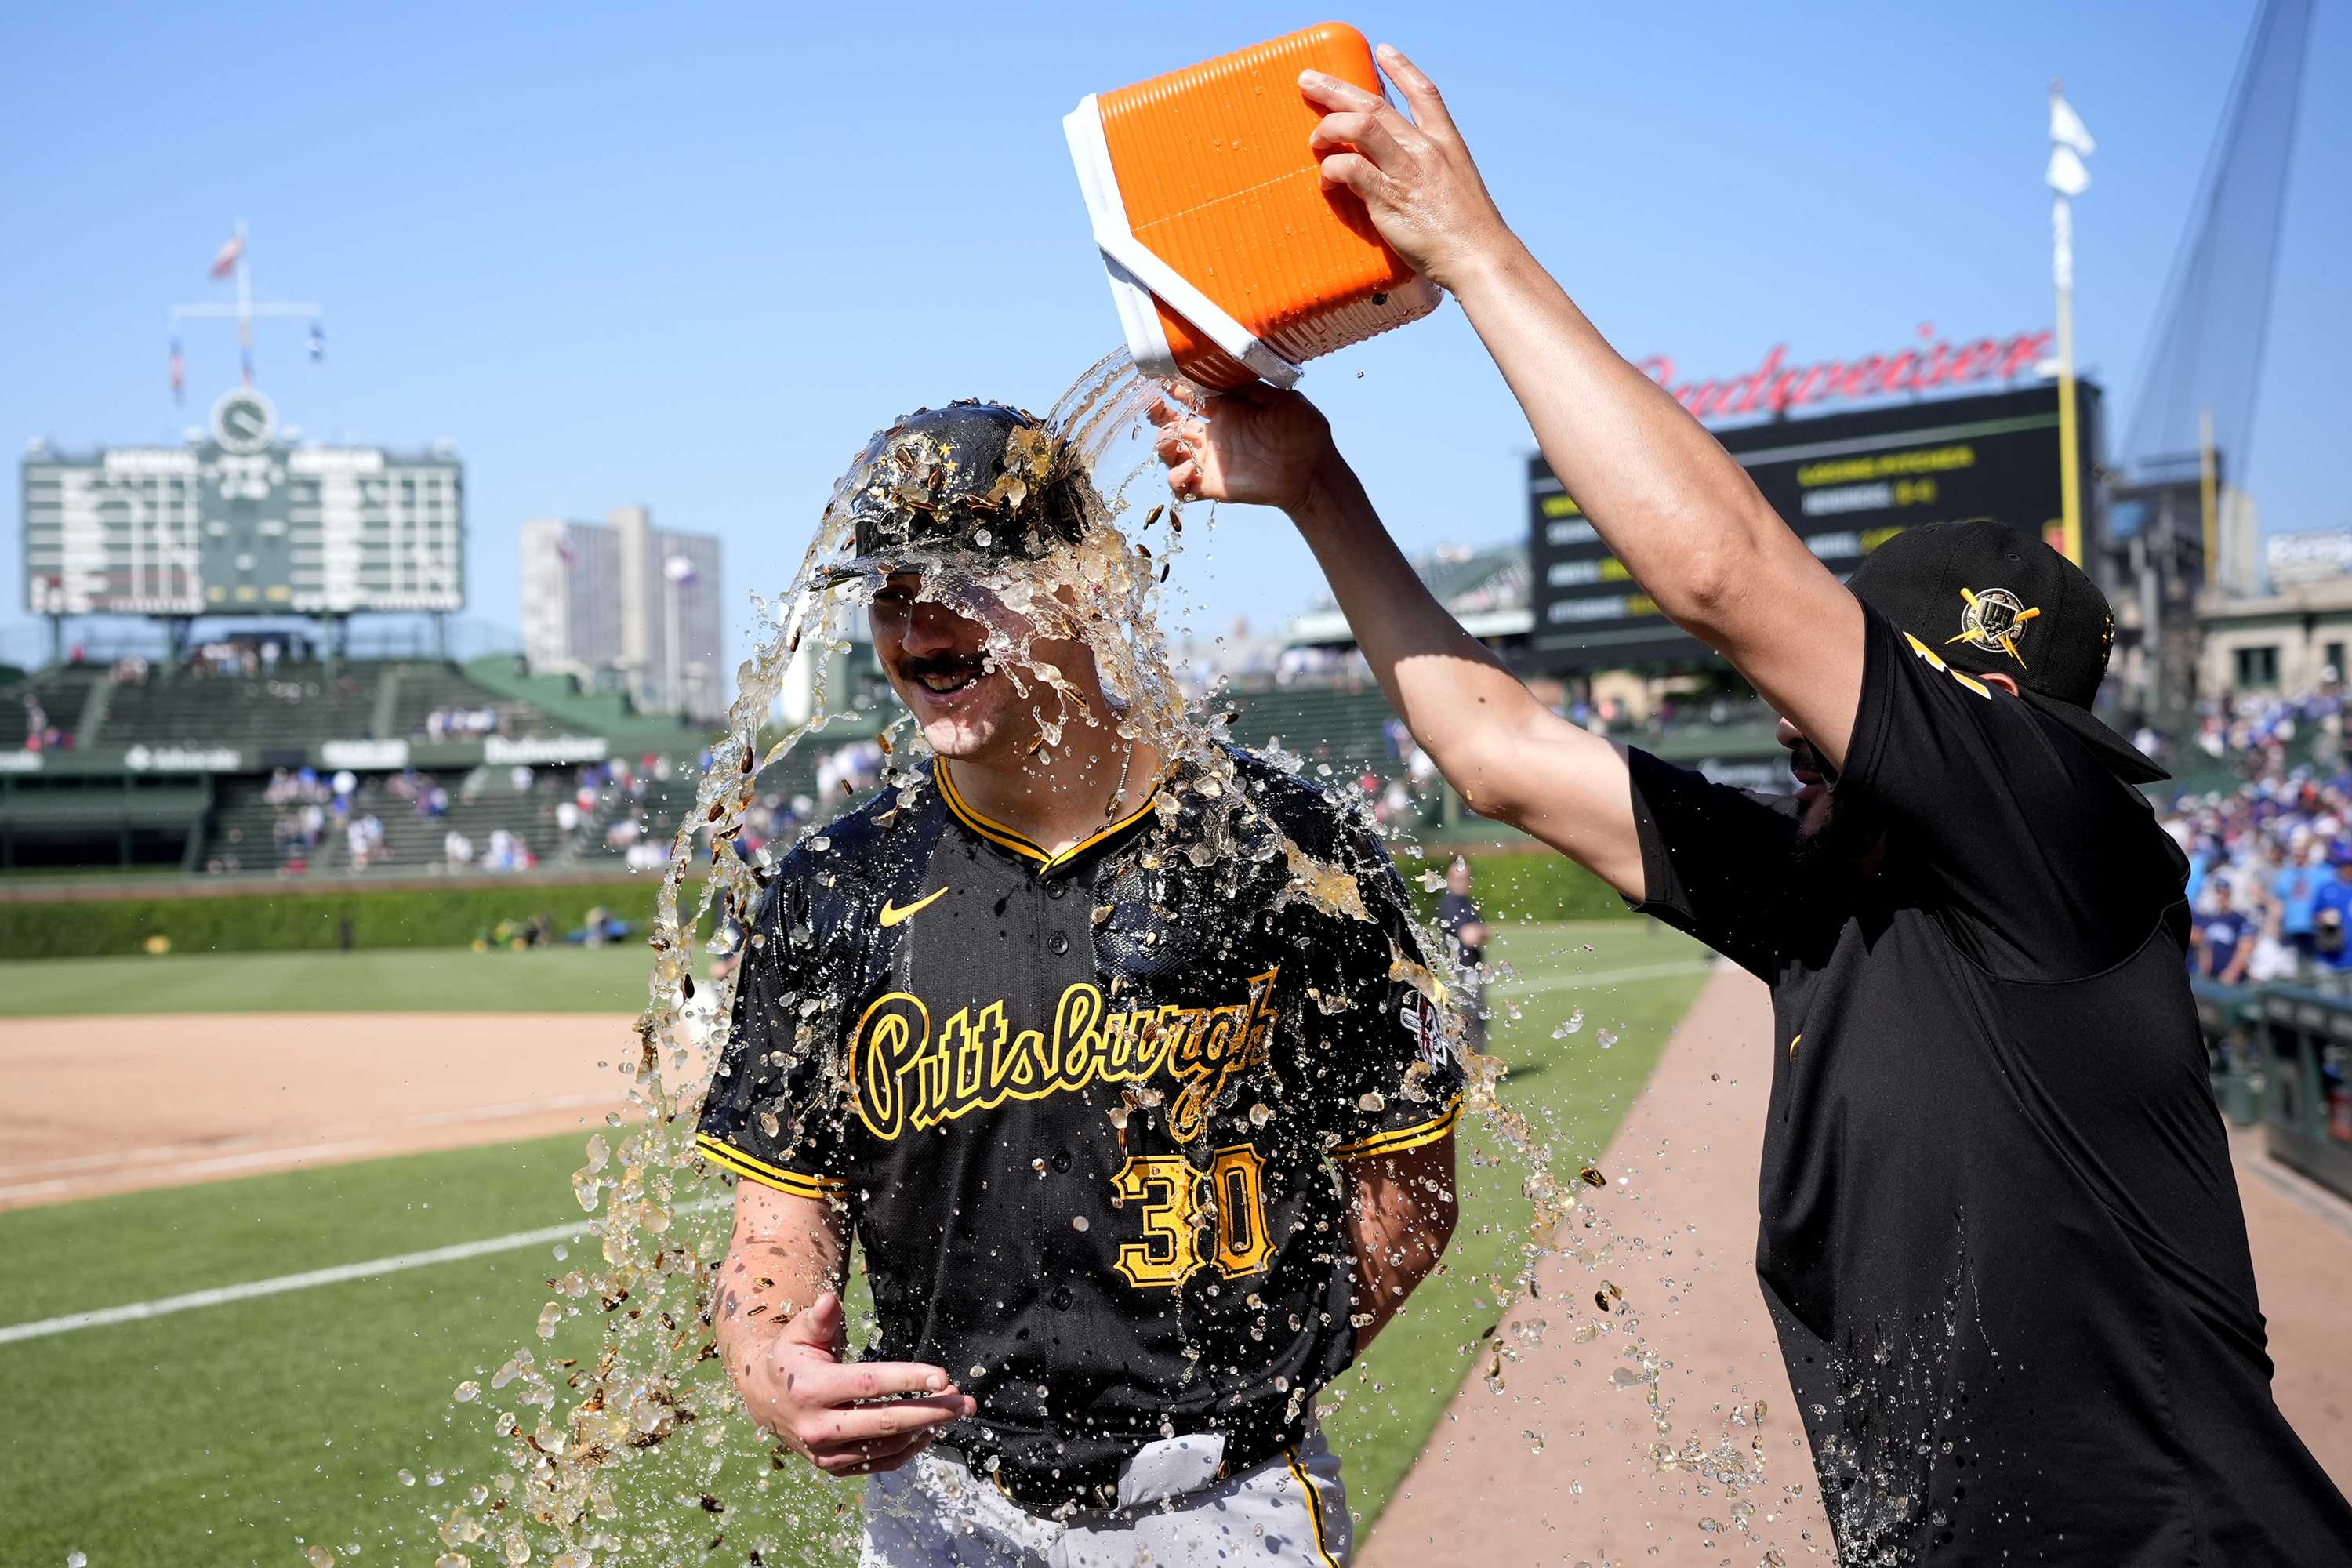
<point>923,665</point>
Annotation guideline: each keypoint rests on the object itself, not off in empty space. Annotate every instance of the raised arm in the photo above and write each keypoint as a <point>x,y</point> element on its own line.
<point>1679,514</point>
<point>1512,758</point>
<point>777,1311</point>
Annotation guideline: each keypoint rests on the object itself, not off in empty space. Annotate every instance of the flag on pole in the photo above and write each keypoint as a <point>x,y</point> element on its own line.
<point>2066,175</point>
<point>2066,127</point>
<point>230,254</point>
<point>2070,144</point>
<point>179,374</point>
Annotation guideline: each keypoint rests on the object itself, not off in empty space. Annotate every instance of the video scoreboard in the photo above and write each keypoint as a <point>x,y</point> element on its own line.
<point>242,523</point>
<point>1845,483</point>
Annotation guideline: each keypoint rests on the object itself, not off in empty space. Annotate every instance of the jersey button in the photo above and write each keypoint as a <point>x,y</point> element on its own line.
<point>1058,945</point>
<point>1061,1298</point>
<point>1055,889</point>
<point>1062,1160</point>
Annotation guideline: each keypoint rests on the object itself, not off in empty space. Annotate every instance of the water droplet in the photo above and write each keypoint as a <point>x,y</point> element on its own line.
<point>1604,1038</point>
<point>405,1478</point>
<point>1575,1022</point>
<point>321,1557</point>
<point>467,1393</point>
<point>1077,1222</point>
<point>76,1560</point>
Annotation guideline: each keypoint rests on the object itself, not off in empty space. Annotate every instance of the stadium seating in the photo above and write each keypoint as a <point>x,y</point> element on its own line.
<point>1341,725</point>
<point>62,694</point>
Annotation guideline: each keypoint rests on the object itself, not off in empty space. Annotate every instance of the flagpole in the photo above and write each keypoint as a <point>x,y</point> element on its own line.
<point>2070,475</point>
<point>2066,177</point>
<point>244,304</point>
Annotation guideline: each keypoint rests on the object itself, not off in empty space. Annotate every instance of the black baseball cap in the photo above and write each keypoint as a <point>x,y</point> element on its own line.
<point>1995,600</point>
<point>973,484</point>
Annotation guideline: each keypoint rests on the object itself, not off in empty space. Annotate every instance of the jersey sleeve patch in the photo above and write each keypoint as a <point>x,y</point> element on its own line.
<point>799,1184</point>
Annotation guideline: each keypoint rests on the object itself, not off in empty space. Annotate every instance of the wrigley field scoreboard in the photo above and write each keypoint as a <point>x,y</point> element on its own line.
<point>1845,483</point>
<point>239,521</point>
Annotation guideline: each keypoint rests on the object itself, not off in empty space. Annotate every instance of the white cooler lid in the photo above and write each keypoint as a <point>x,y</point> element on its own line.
<point>1136,273</point>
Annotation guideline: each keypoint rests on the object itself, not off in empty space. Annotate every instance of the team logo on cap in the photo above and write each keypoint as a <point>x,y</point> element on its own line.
<point>1993,620</point>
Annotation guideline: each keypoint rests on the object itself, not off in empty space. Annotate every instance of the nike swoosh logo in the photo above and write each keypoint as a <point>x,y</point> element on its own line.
<point>893,913</point>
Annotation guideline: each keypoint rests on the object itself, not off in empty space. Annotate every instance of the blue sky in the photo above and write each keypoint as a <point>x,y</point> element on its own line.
<point>692,259</point>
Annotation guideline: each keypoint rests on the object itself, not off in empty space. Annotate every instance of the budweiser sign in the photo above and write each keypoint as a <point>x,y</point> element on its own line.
<point>1776,386</point>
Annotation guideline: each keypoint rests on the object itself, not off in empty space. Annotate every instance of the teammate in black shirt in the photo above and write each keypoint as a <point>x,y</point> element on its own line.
<point>2000,1238</point>
<point>1142,1135</point>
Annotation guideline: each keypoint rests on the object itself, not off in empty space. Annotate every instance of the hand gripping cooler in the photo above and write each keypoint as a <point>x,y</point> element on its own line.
<point>1227,258</point>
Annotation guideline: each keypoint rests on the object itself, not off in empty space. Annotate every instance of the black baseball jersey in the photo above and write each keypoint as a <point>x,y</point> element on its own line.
<point>2000,1234</point>
<point>1084,1108</point>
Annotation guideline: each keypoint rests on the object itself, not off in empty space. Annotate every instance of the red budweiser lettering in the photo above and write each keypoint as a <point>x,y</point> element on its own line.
<point>1774,387</point>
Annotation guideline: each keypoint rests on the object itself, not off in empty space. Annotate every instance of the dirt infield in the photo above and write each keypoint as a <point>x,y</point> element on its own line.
<point>106,1105</point>
<point>1484,1491</point>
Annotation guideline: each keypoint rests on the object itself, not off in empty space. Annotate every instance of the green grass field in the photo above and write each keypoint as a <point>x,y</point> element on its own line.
<point>392,980</point>
<point>257,1430</point>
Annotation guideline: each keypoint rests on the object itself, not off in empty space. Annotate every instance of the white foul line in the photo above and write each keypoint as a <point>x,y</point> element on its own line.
<point>340,1273</point>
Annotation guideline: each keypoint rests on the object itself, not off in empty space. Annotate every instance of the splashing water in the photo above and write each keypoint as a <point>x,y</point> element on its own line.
<point>622,1450</point>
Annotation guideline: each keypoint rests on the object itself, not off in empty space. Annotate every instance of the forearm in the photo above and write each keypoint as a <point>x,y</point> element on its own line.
<point>1401,1214</point>
<point>1463,707</point>
<point>785,1253</point>
<point>1675,509</point>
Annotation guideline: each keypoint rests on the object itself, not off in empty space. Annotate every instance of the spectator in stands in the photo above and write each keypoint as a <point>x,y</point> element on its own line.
<point>2224,941</point>
<point>2274,958</point>
<point>2297,886</point>
<point>2331,912</point>
<point>457,850</point>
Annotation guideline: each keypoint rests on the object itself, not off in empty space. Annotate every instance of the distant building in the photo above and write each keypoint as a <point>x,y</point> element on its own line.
<point>2291,636</point>
<point>621,604</point>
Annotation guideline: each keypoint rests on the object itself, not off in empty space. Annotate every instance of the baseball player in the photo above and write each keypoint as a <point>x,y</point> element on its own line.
<point>1142,1141</point>
<point>2001,1242</point>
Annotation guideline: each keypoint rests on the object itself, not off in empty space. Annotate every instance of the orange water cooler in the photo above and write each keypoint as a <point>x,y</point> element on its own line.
<point>1228,259</point>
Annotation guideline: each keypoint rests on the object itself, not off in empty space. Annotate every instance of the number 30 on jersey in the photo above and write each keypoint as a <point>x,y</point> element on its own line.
<point>1194,1218</point>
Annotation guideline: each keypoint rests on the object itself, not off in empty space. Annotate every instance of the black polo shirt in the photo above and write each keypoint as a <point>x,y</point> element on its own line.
<point>1084,1107</point>
<point>2000,1234</point>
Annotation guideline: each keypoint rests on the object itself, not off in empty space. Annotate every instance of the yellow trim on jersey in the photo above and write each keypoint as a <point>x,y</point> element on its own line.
<point>1398,1140</point>
<point>1021,843</point>
<point>1313,1507</point>
<point>799,1184</point>
<point>1936,661</point>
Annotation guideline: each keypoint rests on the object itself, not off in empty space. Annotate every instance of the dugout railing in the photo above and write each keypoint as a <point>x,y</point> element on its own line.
<point>2279,1057</point>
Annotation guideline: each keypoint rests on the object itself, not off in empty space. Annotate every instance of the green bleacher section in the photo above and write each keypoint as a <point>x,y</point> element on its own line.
<point>1334,724</point>
<point>242,838</point>
<point>302,705</point>
<point>62,695</point>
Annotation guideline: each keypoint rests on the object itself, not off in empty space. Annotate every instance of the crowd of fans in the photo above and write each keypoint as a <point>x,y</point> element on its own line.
<point>2270,858</point>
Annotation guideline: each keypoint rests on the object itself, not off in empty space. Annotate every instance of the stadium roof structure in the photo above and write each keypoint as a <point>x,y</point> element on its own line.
<point>1486,590</point>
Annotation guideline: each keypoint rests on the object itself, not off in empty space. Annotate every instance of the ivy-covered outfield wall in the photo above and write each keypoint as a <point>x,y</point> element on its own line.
<point>274,920</point>
<point>1512,886</point>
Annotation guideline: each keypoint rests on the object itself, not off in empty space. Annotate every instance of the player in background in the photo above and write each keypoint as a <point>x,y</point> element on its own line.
<point>1140,1145</point>
<point>1465,929</point>
<point>2000,1236</point>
